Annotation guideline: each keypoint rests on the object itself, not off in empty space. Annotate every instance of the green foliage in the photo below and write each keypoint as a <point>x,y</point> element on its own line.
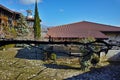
<point>13,32</point>
<point>53,57</point>
<point>37,26</point>
<point>22,28</point>
<point>95,59</point>
<point>9,32</point>
<point>91,58</point>
<point>86,40</point>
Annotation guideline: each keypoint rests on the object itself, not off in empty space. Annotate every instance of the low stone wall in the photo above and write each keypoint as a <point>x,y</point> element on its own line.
<point>72,49</point>
<point>60,49</point>
<point>112,55</point>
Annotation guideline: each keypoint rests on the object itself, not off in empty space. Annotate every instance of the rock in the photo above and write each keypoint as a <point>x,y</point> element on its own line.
<point>113,55</point>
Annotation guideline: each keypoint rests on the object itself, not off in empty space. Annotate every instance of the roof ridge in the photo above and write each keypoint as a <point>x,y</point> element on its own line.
<point>8,9</point>
<point>102,24</point>
<point>85,22</point>
<point>66,24</point>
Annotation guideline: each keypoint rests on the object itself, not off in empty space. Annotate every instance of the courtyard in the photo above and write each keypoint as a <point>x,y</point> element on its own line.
<point>26,64</point>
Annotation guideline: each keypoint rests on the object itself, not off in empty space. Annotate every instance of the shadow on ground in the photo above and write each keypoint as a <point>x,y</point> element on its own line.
<point>30,53</point>
<point>36,54</point>
<point>56,66</point>
<point>109,72</point>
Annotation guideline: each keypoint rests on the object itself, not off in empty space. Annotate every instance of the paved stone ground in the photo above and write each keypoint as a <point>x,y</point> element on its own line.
<point>25,64</point>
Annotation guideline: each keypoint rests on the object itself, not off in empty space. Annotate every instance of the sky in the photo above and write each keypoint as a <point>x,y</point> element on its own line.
<point>60,12</point>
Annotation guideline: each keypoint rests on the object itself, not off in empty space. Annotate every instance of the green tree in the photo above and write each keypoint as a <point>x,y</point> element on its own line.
<point>37,26</point>
<point>22,28</point>
<point>91,58</point>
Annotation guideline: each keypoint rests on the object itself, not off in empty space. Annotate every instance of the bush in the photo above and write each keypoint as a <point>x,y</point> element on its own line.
<point>91,58</point>
<point>53,57</point>
<point>95,59</point>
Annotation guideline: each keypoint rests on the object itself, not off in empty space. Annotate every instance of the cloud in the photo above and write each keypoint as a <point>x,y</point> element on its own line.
<point>29,1</point>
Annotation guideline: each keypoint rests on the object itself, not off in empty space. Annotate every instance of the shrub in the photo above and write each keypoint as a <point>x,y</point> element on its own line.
<point>95,59</point>
<point>91,58</point>
<point>53,57</point>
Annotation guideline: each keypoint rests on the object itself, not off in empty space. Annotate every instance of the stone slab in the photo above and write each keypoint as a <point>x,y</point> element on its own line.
<point>113,55</point>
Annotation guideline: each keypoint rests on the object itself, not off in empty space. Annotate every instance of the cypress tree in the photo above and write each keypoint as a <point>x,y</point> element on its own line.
<point>37,26</point>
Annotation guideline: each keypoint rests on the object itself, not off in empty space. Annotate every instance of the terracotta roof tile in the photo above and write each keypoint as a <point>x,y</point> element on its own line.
<point>81,30</point>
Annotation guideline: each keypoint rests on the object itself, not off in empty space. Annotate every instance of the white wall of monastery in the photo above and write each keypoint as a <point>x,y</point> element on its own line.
<point>113,36</point>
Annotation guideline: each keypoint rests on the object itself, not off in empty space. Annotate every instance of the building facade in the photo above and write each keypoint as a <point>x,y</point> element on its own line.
<point>8,17</point>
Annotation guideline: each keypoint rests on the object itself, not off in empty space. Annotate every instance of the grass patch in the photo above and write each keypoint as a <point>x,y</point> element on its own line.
<point>7,46</point>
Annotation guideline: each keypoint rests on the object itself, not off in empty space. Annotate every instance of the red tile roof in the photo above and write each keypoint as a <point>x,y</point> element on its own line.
<point>81,30</point>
